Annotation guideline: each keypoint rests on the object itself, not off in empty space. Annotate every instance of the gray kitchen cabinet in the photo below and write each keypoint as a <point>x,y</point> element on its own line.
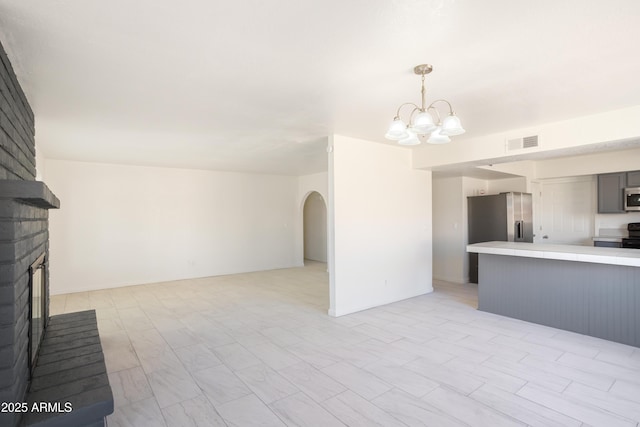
<point>610,192</point>
<point>633,179</point>
<point>604,244</point>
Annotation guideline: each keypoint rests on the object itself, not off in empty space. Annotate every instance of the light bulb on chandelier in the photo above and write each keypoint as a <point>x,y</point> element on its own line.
<point>421,122</point>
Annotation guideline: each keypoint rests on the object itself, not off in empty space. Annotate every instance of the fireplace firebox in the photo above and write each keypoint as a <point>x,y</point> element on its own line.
<point>37,307</point>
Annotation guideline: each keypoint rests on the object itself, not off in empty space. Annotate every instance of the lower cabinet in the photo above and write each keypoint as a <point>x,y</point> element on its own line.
<point>602,244</point>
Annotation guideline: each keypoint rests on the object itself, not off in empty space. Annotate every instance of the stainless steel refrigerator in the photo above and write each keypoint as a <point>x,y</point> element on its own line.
<point>503,217</point>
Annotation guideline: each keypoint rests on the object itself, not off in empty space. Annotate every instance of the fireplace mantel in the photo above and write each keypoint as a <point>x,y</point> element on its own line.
<point>35,193</point>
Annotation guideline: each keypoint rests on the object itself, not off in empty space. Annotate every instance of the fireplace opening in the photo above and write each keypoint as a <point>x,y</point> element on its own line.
<point>37,307</point>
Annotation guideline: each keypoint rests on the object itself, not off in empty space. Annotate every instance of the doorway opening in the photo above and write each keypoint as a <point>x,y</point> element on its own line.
<point>314,217</point>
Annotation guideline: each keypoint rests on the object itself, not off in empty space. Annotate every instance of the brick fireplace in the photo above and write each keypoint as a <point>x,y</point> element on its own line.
<point>24,237</point>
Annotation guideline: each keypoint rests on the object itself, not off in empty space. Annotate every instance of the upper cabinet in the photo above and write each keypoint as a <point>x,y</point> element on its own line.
<point>611,192</point>
<point>633,179</point>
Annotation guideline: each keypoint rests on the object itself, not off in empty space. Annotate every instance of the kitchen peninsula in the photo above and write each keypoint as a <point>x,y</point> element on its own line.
<point>589,290</point>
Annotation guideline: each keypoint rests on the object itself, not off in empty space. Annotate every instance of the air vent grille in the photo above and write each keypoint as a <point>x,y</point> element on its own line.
<point>530,141</point>
<point>522,143</point>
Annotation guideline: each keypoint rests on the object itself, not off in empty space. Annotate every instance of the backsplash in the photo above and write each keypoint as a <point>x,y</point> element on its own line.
<point>609,223</point>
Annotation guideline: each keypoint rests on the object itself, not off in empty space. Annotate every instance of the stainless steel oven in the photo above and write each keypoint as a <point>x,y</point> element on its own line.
<point>633,241</point>
<point>632,199</point>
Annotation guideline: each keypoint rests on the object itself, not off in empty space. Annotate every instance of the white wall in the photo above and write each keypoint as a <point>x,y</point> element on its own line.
<point>123,225</point>
<point>448,230</point>
<point>380,209</point>
<point>497,186</point>
<point>619,125</point>
<point>318,182</point>
<point>315,228</point>
<point>40,164</point>
<point>589,164</point>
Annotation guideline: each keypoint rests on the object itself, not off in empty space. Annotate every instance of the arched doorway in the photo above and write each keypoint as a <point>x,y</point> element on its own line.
<point>314,218</point>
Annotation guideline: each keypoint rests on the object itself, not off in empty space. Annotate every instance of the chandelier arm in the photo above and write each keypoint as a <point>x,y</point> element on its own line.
<point>431,107</point>
<point>442,100</point>
<point>400,107</point>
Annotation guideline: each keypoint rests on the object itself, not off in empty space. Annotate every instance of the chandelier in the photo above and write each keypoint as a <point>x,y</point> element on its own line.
<point>421,122</point>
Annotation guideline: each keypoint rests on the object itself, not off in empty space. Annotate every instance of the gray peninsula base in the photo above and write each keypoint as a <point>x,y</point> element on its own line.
<point>600,300</point>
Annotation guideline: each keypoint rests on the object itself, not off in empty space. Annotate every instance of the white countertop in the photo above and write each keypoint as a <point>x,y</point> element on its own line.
<point>598,255</point>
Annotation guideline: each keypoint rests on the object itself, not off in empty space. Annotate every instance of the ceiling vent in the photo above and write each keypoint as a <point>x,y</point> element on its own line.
<point>522,143</point>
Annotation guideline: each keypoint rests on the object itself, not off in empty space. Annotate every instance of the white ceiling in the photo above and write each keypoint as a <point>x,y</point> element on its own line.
<point>258,85</point>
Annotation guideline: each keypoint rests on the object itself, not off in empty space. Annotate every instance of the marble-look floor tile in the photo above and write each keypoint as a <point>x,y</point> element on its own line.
<point>114,340</point>
<point>280,336</point>
<point>597,366</point>
<point>171,386</point>
<point>413,411</point>
<point>596,380</point>
<point>274,356</point>
<point>235,356</point>
<point>564,345</point>
<point>123,299</point>
<point>197,412</point>
<point>315,335</point>
<point>249,411</point>
<point>56,304</point>
<point>377,333</point>
<point>467,329</point>
<point>118,352</point>
<point>626,390</point>
<point>468,410</point>
<point>412,333</point>
<point>149,343</point>
<point>488,375</point>
<point>362,382</point>
<point>212,336</point>
<point>354,411</point>
<point>178,338</point>
<point>604,400</point>
<point>167,360</point>
<point>220,384</point>
<point>445,375</point>
<point>524,410</point>
<point>166,322</point>
<point>145,413</point>
<point>354,354</point>
<point>385,351</point>
<point>129,386</point>
<point>460,351</point>
<point>314,383</point>
<point>266,383</point>
<point>197,357</point>
<point>314,355</point>
<point>432,353</point>
<point>530,347</point>
<point>402,378</point>
<point>106,325</point>
<point>301,410</point>
<point>572,408</point>
<point>492,347</point>
<point>536,376</point>
<point>526,373</point>
<point>631,360</point>
<point>100,299</point>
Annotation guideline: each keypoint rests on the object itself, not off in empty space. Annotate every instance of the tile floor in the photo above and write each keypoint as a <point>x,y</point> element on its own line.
<point>259,349</point>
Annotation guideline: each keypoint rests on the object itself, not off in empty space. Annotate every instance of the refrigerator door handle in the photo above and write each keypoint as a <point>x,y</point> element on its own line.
<point>519,229</point>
